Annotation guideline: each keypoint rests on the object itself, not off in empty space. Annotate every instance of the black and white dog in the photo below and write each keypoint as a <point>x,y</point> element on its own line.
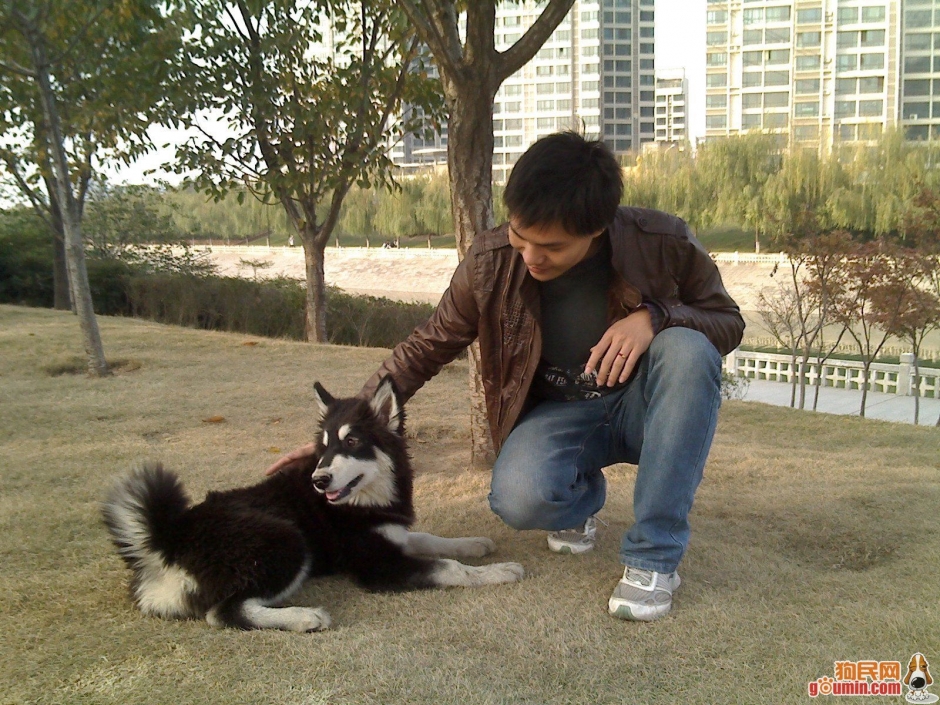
<point>239,553</point>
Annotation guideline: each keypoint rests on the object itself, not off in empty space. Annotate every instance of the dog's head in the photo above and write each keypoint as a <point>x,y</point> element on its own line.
<point>918,673</point>
<point>357,446</point>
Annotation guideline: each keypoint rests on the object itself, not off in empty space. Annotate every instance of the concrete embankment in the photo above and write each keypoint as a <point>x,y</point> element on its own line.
<point>423,275</point>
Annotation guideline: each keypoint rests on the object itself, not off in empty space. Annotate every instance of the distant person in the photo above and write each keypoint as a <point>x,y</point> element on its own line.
<point>290,241</point>
<point>601,330</point>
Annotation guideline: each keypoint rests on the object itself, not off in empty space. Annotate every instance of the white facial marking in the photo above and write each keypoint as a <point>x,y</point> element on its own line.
<point>326,438</point>
<point>343,432</point>
<point>375,489</point>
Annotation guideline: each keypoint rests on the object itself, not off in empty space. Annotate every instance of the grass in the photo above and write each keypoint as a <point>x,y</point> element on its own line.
<point>815,539</point>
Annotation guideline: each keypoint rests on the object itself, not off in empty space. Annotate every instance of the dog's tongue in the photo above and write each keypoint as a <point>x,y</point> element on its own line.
<point>333,496</point>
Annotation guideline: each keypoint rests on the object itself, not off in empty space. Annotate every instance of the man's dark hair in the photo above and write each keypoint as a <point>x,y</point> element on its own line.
<point>568,180</point>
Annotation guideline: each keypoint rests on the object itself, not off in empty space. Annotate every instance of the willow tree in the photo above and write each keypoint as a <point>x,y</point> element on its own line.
<point>309,94</point>
<point>78,84</point>
<point>471,71</point>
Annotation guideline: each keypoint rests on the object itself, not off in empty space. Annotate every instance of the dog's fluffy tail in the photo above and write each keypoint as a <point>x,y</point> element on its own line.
<point>142,511</point>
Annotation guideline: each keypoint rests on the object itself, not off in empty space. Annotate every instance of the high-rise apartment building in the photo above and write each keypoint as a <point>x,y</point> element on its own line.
<point>815,71</point>
<point>672,107</point>
<point>595,74</point>
<point>920,69</point>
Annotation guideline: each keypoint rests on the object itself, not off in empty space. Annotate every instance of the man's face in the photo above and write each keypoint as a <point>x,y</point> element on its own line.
<point>549,250</point>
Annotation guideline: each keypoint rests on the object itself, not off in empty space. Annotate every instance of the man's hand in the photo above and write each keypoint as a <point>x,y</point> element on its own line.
<point>618,351</point>
<point>288,460</point>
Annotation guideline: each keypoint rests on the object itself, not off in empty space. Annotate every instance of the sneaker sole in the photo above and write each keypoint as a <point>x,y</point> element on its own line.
<point>624,611</point>
<point>567,549</point>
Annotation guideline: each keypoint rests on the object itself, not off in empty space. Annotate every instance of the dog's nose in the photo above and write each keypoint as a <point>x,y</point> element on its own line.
<point>321,482</point>
<point>918,682</point>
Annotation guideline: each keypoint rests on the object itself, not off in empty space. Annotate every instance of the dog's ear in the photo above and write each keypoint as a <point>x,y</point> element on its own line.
<point>387,407</point>
<point>323,398</point>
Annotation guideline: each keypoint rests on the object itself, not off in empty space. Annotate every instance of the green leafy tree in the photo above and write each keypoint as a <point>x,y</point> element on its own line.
<point>78,83</point>
<point>309,92</point>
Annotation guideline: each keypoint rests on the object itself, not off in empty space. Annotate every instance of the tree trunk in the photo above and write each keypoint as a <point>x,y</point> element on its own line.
<point>315,314</point>
<point>68,210</point>
<point>470,164</point>
<point>61,296</point>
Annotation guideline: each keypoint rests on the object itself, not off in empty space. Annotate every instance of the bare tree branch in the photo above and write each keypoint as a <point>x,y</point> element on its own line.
<point>520,53</point>
<point>436,24</point>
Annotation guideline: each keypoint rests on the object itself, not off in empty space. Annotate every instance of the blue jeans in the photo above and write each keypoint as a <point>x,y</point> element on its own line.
<point>548,473</point>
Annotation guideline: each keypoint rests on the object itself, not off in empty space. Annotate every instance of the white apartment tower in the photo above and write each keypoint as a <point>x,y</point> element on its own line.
<point>672,107</point>
<point>920,69</point>
<point>595,74</point>
<point>814,71</point>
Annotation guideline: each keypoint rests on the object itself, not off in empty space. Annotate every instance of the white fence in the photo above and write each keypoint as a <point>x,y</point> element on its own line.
<point>373,252</point>
<point>841,374</point>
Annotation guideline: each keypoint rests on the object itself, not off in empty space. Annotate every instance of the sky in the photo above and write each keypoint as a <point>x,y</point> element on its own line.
<point>680,43</point>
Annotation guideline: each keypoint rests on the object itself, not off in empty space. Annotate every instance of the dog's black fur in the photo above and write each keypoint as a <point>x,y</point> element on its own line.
<point>239,551</point>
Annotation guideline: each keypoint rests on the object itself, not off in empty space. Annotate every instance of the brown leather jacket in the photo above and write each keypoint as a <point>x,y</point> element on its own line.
<point>492,297</point>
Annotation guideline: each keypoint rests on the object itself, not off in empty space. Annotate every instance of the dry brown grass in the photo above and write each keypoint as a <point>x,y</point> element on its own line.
<point>815,539</point>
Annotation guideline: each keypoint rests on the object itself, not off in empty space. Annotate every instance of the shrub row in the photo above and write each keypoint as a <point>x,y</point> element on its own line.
<point>273,308</point>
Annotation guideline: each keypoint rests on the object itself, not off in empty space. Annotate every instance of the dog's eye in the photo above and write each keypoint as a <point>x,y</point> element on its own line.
<point>351,441</point>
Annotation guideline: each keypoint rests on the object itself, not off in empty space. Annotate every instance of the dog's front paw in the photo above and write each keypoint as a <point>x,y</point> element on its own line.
<point>475,547</point>
<point>497,573</point>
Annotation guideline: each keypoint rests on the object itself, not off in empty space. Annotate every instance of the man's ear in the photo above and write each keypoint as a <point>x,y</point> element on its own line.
<point>323,399</point>
<point>387,407</point>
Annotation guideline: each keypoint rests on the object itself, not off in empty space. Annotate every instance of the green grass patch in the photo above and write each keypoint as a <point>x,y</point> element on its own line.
<point>813,541</point>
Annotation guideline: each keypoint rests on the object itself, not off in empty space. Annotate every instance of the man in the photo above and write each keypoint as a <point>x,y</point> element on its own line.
<point>601,331</point>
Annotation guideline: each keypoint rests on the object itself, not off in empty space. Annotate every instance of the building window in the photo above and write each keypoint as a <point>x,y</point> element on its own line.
<point>513,140</point>
<point>717,16</point>
<point>917,19</point>
<point>847,62</point>
<point>917,64</point>
<point>753,36</point>
<point>514,124</point>
<point>809,109</point>
<point>716,101</point>
<point>916,42</point>
<point>753,16</point>
<point>846,86</point>
<point>806,133</point>
<point>752,58</point>
<point>871,108</point>
<point>645,32</point>
<point>845,108</point>
<point>917,133</point>
<point>716,80</point>
<point>873,14</point>
<point>872,61</point>
<point>916,87</point>
<point>778,56</point>
<point>716,122</point>
<point>916,111</point>
<point>778,14</point>
<point>806,86</point>
<point>813,15</point>
<point>808,39</point>
<point>776,100</point>
<point>871,84</point>
<point>776,78</point>
<point>847,133</point>
<point>869,131</point>
<point>846,39</point>
<point>848,15</point>
<point>750,121</point>
<point>750,101</point>
<point>778,35</point>
<point>810,62</point>
<point>751,79</point>
<point>716,38</point>
<point>776,121</point>
<point>544,70</point>
<point>873,37</point>
<point>627,81</point>
<point>717,59</point>
<point>546,105</point>
<point>545,123</point>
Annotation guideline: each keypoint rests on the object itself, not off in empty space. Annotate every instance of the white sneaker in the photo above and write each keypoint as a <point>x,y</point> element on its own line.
<point>574,540</point>
<point>643,595</point>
